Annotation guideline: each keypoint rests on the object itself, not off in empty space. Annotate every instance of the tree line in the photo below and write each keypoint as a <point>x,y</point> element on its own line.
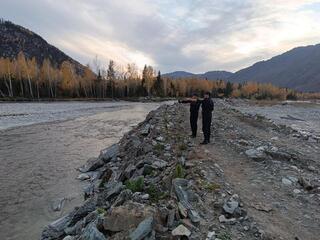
<point>25,78</point>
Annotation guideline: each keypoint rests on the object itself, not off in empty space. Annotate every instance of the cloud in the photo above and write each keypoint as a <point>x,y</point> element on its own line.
<point>188,35</point>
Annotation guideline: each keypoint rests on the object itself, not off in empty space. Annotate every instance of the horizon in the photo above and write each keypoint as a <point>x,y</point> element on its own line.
<point>191,36</point>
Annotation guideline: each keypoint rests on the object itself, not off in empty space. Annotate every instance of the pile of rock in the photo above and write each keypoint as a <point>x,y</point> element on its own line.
<point>136,188</point>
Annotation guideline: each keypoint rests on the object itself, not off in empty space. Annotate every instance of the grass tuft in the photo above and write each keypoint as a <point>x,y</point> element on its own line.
<point>179,171</point>
<point>135,185</point>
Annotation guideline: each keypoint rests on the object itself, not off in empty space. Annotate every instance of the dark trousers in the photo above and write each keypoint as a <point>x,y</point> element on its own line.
<point>206,125</point>
<point>193,123</point>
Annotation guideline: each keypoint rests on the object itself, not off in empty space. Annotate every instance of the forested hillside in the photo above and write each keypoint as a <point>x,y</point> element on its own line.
<point>298,69</point>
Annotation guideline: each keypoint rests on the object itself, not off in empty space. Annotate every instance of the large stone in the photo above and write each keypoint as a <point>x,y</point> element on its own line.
<point>58,204</point>
<point>223,219</point>
<point>286,181</point>
<point>90,232</point>
<point>181,231</point>
<point>91,165</point>
<point>179,186</point>
<point>127,172</point>
<point>170,219</point>
<point>145,129</point>
<point>159,164</point>
<point>279,155</point>
<point>125,217</point>
<point>83,176</point>
<point>305,183</point>
<point>89,190</point>
<point>256,154</point>
<point>110,153</point>
<point>68,238</point>
<point>194,216</point>
<point>82,211</point>
<point>124,196</point>
<point>232,206</point>
<point>55,230</point>
<point>182,210</point>
<point>110,191</point>
<point>143,229</point>
<point>75,229</point>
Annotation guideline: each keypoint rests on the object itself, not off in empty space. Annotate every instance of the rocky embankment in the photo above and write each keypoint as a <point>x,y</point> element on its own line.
<point>157,183</point>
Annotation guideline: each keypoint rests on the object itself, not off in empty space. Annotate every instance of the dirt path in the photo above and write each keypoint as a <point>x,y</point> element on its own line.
<point>282,209</point>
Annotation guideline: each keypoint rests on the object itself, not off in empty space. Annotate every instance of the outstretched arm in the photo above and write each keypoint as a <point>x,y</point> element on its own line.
<point>187,100</point>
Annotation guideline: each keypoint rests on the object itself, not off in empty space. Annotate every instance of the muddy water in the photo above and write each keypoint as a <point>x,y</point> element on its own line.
<point>37,162</point>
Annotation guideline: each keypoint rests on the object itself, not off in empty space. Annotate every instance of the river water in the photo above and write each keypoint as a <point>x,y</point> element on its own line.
<point>41,145</point>
<point>302,116</point>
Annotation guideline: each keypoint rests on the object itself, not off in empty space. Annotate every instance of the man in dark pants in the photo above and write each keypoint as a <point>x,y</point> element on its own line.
<point>207,108</point>
<point>194,111</point>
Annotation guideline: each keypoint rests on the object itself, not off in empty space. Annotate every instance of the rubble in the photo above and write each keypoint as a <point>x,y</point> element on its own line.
<point>154,185</point>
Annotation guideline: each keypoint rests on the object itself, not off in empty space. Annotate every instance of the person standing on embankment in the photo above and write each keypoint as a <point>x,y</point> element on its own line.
<point>207,108</point>
<point>194,112</point>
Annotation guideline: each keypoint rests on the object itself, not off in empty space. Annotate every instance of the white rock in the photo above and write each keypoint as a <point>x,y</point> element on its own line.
<point>181,231</point>
<point>211,235</point>
<point>83,176</point>
<point>295,168</point>
<point>311,168</point>
<point>160,139</point>
<point>145,196</point>
<point>286,181</point>
<point>223,219</point>
<point>296,191</point>
<point>68,238</point>
<point>293,179</point>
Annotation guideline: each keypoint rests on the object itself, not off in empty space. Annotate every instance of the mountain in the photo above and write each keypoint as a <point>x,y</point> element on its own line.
<point>179,74</point>
<point>298,69</point>
<point>212,75</point>
<point>15,38</point>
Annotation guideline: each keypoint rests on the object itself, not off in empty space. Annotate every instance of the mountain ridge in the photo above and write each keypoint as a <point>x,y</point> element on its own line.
<point>210,75</point>
<point>16,38</point>
<point>297,68</point>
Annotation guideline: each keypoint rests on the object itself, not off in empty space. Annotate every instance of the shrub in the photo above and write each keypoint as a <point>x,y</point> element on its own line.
<point>159,147</point>
<point>179,171</point>
<point>183,147</point>
<point>212,186</point>
<point>101,210</point>
<point>155,194</point>
<point>135,185</point>
<point>224,236</point>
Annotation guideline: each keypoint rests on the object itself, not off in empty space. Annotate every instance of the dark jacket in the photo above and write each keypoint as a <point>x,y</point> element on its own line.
<point>194,105</point>
<point>207,106</point>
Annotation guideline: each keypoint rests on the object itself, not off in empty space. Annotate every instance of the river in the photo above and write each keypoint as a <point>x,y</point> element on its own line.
<point>41,145</point>
<point>302,116</point>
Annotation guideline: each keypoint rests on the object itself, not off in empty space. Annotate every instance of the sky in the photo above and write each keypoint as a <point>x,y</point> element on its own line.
<point>189,35</point>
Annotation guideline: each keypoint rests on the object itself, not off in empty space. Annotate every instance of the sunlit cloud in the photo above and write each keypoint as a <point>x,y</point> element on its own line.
<point>103,50</point>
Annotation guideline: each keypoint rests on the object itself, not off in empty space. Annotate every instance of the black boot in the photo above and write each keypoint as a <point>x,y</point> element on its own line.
<point>204,142</point>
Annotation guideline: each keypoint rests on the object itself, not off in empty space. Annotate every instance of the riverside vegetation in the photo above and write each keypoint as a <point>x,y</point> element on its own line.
<point>258,180</point>
<point>24,78</point>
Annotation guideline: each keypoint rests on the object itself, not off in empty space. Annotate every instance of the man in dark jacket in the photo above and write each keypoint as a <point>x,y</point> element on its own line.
<point>194,111</point>
<point>207,108</point>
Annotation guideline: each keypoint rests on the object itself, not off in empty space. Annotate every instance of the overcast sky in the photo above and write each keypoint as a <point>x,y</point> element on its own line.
<point>189,35</point>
